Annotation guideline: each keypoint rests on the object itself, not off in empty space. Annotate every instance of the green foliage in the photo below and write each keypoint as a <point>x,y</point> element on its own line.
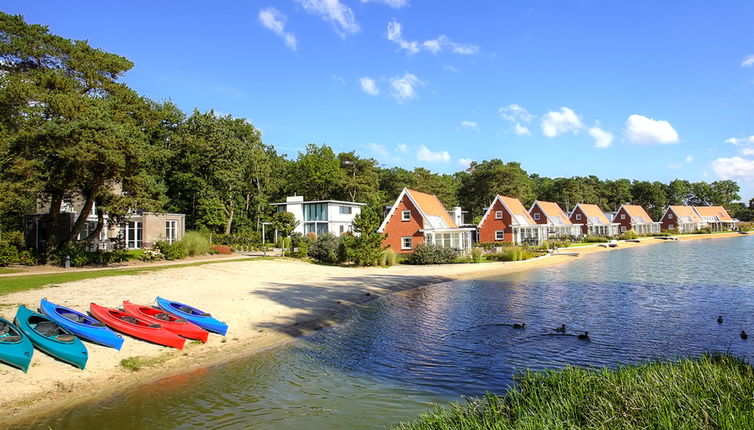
<point>595,239</point>
<point>325,248</point>
<point>195,243</point>
<point>346,247</point>
<point>488,178</point>
<point>316,174</point>
<point>388,257</point>
<point>366,247</point>
<point>710,392</point>
<point>628,235</point>
<point>477,255</point>
<point>284,222</point>
<point>513,253</point>
<point>429,253</point>
<point>8,254</point>
<point>171,251</point>
<point>703,230</point>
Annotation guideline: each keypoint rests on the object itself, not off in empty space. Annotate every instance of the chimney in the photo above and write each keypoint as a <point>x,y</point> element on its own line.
<point>458,215</point>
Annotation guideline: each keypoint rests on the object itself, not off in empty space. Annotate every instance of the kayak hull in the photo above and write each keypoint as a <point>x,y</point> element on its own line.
<point>141,328</point>
<point>17,353</point>
<point>179,326</point>
<point>71,351</point>
<point>194,315</point>
<point>86,327</point>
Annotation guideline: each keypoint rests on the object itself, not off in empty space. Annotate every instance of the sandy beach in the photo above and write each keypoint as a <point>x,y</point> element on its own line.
<point>264,302</point>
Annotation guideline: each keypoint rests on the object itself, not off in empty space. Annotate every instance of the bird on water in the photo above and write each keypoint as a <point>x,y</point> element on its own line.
<point>517,325</point>
<point>561,329</point>
<point>744,335</point>
<point>584,336</point>
<point>719,319</point>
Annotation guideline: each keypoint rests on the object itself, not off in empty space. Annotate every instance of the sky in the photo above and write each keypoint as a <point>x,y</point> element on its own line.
<point>641,90</point>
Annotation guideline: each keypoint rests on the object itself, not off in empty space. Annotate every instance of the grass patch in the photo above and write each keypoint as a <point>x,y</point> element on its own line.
<point>709,392</point>
<point>12,284</point>
<point>4,270</point>
<point>138,362</point>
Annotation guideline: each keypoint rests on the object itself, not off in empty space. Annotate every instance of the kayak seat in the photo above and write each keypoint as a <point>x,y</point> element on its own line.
<point>4,328</point>
<point>129,319</point>
<point>66,338</point>
<point>97,324</point>
<point>48,328</point>
<point>154,326</point>
<point>181,320</point>
<point>162,316</point>
<point>205,314</point>
<point>186,309</point>
<point>10,339</point>
<point>73,317</point>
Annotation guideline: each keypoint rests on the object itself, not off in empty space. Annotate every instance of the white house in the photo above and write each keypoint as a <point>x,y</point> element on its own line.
<point>321,216</point>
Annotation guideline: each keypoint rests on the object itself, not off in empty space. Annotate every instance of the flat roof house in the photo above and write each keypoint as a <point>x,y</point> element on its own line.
<point>716,218</point>
<point>634,217</point>
<point>593,221</point>
<point>418,217</point>
<point>321,216</point>
<point>557,222</point>
<point>507,220</point>
<point>683,219</point>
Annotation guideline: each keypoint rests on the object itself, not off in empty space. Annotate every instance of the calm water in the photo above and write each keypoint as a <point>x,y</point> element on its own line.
<point>436,344</point>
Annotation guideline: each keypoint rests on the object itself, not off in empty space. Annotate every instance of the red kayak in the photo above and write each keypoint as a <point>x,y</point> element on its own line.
<point>179,326</point>
<point>136,326</point>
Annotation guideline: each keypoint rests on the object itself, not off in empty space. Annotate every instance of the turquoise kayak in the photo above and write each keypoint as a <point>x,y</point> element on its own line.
<point>51,338</point>
<point>15,348</point>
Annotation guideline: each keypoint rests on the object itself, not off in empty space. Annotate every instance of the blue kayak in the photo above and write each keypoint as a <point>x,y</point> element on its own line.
<point>15,348</point>
<point>51,338</point>
<point>192,314</point>
<point>81,325</point>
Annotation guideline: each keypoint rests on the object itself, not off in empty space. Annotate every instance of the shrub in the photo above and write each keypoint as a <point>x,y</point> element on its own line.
<point>14,238</point>
<point>300,245</point>
<point>596,239</point>
<point>346,245</point>
<point>705,230</point>
<point>151,255</point>
<point>514,253</point>
<point>428,253</point>
<point>325,248</point>
<point>388,257</point>
<point>629,234</point>
<point>195,243</point>
<point>171,251</point>
<point>476,255</point>
<point>25,258</point>
<point>222,249</point>
<point>745,226</point>
<point>8,254</point>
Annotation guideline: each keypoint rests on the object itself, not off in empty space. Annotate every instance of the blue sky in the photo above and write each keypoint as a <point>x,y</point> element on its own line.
<point>643,89</point>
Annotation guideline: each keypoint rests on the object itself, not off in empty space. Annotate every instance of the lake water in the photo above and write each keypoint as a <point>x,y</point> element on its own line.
<point>398,354</point>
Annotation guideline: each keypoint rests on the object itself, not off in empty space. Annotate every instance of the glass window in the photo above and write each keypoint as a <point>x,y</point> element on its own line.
<point>536,217</point>
<point>670,216</point>
<point>498,214</point>
<point>406,216</point>
<point>578,217</point>
<point>321,228</point>
<point>315,212</point>
<point>446,240</point>
<point>133,235</point>
<point>171,230</point>
<point>345,210</point>
<point>499,235</point>
<point>622,216</point>
<point>407,242</point>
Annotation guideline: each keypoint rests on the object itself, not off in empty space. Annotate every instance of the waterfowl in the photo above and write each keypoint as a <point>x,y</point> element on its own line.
<point>517,325</point>
<point>561,329</point>
<point>584,336</point>
<point>744,336</point>
<point>720,319</point>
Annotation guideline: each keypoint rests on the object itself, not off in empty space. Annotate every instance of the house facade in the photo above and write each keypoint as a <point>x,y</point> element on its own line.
<point>716,218</point>
<point>417,218</point>
<point>592,221</point>
<point>557,222</point>
<point>683,219</point>
<point>507,220</point>
<point>321,216</point>
<point>634,217</point>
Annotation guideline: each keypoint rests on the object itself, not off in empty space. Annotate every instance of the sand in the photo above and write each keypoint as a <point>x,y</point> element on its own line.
<point>264,302</point>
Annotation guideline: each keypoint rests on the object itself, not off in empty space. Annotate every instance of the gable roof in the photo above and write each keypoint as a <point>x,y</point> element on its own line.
<point>519,214</point>
<point>553,212</point>
<point>593,213</point>
<point>717,212</point>
<point>429,206</point>
<point>637,214</point>
<point>686,214</point>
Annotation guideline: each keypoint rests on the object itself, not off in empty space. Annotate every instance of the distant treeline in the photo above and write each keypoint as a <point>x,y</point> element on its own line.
<point>68,125</point>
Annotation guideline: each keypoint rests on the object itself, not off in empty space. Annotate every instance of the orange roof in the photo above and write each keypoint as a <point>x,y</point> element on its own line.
<point>430,205</point>
<point>552,210</point>
<point>594,213</point>
<point>715,211</point>
<point>638,213</point>
<point>686,211</point>
<point>516,208</point>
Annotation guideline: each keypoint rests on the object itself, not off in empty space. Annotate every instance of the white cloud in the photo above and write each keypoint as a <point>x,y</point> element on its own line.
<point>740,140</point>
<point>450,69</point>
<point>564,121</point>
<point>470,124</point>
<point>521,130</point>
<point>338,79</point>
<point>675,166</point>
<point>369,86</point>
<point>748,61</point>
<point>515,113</point>
<point>734,168</point>
<point>402,147</point>
<point>424,154</point>
<point>602,138</point>
<point>647,131</point>
<point>274,20</point>
<point>395,4</point>
<point>378,150</point>
<point>438,44</point>
<point>404,87</point>
<point>747,151</point>
<point>689,159</point>
<point>465,162</point>
<point>340,15</point>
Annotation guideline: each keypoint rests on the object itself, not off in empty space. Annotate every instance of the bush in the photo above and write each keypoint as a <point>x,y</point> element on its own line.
<point>705,230</point>
<point>222,249</point>
<point>171,251</point>
<point>26,258</point>
<point>325,248</point>
<point>596,239</point>
<point>300,245</point>
<point>629,234</point>
<point>512,253</point>
<point>151,255</point>
<point>428,253</point>
<point>346,245</point>
<point>476,255</point>
<point>195,243</point>
<point>8,254</point>
<point>14,238</point>
<point>388,257</point>
<point>745,226</point>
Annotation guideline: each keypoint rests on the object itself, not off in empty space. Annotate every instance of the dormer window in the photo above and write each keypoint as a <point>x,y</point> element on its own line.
<point>405,215</point>
<point>670,216</point>
<point>536,216</point>
<point>622,216</point>
<point>578,217</point>
<point>498,214</point>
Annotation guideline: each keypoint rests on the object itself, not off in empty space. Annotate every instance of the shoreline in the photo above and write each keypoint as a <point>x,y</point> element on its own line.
<point>268,304</point>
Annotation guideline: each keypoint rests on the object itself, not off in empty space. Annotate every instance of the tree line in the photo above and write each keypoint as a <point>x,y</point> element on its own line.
<point>69,125</point>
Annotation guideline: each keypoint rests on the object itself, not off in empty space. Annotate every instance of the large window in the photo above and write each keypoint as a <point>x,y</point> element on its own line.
<point>499,235</point>
<point>171,230</point>
<point>133,235</point>
<point>315,212</point>
<point>345,210</point>
<point>407,242</point>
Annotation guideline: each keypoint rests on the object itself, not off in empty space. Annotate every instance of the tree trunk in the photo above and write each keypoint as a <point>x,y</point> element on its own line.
<point>230,219</point>
<point>100,225</point>
<point>81,219</point>
<point>51,239</point>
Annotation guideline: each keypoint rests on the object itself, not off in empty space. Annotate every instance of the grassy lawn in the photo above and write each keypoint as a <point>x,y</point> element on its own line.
<point>709,392</point>
<point>4,270</point>
<point>12,284</point>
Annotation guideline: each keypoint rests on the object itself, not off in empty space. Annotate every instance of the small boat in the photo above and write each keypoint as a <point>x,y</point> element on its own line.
<point>170,322</point>
<point>15,347</point>
<point>196,316</point>
<point>83,326</point>
<point>49,337</point>
<point>135,326</point>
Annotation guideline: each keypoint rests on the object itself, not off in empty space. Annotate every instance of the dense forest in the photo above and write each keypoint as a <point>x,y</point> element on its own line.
<point>68,124</point>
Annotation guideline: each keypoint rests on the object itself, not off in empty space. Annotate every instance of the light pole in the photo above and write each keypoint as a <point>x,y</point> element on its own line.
<point>264,243</point>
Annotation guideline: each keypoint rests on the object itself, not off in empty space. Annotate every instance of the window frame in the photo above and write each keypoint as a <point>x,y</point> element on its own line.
<point>498,214</point>
<point>171,225</point>
<point>499,235</point>
<point>536,216</point>
<point>403,243</point>
<point>405,218</point>
<point>578,217</point>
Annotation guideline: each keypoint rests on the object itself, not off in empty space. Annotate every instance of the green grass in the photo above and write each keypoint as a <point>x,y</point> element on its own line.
<point>12,284</point>
<point>709,392</point>
<point>138,362</point>
<point>4,270</point>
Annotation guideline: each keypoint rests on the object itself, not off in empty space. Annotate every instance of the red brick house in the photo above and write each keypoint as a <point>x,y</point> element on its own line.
<point>507,220</point>
<point>682,219</point>
<point>634,217</point>
<point>592,220</point>
<point>418,217</point>
<point>557,222</point>
<point>716,218</point>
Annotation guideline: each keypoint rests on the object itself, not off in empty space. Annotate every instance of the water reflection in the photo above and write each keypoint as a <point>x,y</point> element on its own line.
<point>402,352</point>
